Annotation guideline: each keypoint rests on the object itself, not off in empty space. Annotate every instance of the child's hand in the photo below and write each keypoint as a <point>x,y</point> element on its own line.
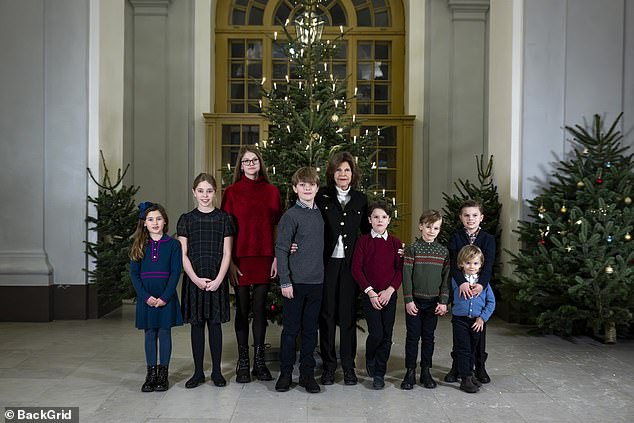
<point>160,303</point>
<point>401,251</point>
<point>477,289</point>
<point>465,290</point>
<point>385,295</point>
<point>202,283</point>
<point>288,292</point>
<point>374,299</point>
<point>441,309</point>
<point>151,301</point>
<point>478,325</point>
<point>213,285</point>
<point>411,309</point>
<point>293,249</point>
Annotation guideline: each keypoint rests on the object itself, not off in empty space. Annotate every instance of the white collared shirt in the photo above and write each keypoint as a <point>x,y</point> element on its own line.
<point>377,235</point>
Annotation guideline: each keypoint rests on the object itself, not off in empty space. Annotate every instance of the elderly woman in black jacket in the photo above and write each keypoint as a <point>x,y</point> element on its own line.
<point>344,210</point>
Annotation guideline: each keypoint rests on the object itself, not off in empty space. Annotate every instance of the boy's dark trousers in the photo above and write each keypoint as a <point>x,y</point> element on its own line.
<point>480,354</point>
<point>339,305</point>
<point>300,315</point>
<point>421,326</point>
<point>380,327</point>
<point>465,340</point>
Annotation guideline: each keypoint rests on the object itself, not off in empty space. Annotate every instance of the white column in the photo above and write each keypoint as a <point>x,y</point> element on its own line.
<point>505,114</point>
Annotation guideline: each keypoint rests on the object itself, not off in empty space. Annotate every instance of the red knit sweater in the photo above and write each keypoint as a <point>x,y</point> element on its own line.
<point>376,263</point>
<point>255,205</point>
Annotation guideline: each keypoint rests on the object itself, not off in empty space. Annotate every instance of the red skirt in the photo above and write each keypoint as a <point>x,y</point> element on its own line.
<point>255,270</point>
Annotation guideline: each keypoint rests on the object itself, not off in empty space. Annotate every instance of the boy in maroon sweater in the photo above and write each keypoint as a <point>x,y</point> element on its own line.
<point>377,269</point>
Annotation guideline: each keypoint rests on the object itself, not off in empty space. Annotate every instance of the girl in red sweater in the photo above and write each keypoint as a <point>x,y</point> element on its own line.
<point>255,206</point>
<point>377,268</point>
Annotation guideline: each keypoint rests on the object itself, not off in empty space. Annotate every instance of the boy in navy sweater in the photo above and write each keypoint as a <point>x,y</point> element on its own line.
<point>301,278</point>
<point>471,216</point>
<point>377,269</point>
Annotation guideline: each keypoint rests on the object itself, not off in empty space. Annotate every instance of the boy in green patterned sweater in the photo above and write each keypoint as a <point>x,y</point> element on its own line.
<point>426,293</point>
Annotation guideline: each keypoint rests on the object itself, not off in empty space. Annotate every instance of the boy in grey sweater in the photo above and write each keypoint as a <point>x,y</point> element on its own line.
<point>301,278</point>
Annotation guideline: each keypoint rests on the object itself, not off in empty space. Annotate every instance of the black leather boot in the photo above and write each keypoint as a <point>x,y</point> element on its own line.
<point>426,379</point>
<point>242,368</point>
<point>409,380</point>
<point>162,384</point>
<point>452,376</point>
<point>467,385</point>
<point>150,379</point>
<point>260,371</point>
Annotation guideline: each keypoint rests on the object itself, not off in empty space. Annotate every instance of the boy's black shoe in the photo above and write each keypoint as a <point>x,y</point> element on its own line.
<point>283,383</point>
<point>194,381</point>
<point>369,367</point>
<point>452,376</point>
<point>426,379</point>
<point>475,381</point>
<point>409,380</point>
<point>150,380</point>
<point>378,382</point>
<point>467,385</point>
<point>482,375</point>
<point>309,383</point>
<point>349,377</point>
<point>327,377</point>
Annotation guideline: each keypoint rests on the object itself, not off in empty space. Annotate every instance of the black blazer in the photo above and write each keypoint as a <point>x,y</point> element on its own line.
<point>349,222</point>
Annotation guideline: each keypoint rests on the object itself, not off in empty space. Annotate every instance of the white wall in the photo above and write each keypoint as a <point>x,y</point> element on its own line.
<point>43,141</point>
<point>576,64</point>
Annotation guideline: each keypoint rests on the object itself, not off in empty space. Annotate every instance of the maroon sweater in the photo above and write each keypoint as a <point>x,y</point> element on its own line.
<point>255,205</point>
<point>376,263</point>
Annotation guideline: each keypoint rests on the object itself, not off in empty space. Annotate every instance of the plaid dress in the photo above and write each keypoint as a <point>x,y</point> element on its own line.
<point>205,233</point>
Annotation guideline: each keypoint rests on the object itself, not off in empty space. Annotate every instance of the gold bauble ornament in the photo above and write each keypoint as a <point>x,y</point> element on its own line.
<point>627,200</point>
<point>334,118</point>
<point>628,237</point>
<point>609,269</point>
<point>580,184</point>
<point>563,209</point>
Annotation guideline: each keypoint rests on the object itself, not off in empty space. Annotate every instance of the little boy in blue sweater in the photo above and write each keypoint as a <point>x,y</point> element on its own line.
<point>469,316</point>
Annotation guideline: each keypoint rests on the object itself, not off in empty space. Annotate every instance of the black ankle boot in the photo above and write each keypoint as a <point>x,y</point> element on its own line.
<point>162,383</point>
<point>150,379</point>
<point>409,380</point>
<point>426,379</point>
<point>260,371</point>
<point>452,376</point>
<point>242,368</point>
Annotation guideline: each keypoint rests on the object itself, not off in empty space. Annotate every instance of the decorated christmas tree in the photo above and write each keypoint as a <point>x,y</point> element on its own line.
<point>575,269</point>
<point>308,109</point>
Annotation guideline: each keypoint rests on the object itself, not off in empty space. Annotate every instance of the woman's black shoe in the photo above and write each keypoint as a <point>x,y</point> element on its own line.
<point>150,379</point>
<point>219,380</point>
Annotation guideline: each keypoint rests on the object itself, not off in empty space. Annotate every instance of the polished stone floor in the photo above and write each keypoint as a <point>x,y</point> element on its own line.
<point>98,365</point>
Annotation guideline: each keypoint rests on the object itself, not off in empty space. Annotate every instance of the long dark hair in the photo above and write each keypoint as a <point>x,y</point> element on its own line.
<point>141,234</point>
<point>237,173</point>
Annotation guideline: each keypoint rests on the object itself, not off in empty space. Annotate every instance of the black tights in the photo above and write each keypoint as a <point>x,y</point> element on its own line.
<point>198,346</point>
<point>243,307</point>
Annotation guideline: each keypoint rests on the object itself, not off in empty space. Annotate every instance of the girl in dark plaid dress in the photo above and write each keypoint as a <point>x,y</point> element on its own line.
<point>206,236</point>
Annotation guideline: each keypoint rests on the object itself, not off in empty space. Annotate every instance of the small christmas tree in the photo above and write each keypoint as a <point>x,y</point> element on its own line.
<point>115,223</point>
<point>575,267</point>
